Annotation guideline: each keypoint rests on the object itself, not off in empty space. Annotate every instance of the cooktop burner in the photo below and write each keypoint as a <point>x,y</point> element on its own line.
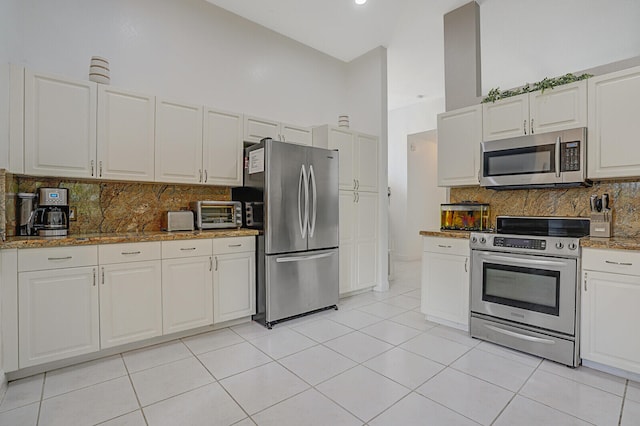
<point>575,227</point>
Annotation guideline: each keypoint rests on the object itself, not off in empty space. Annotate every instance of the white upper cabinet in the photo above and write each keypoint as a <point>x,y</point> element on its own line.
<point>459,138</point>
<point>560,108</point>
<point>178,148</point>
<point>256,128</point>
<point>614,102</point>
<point>126,134</point>
<point>222,148</point>
<point>59,126</point>
<point>358,156</point>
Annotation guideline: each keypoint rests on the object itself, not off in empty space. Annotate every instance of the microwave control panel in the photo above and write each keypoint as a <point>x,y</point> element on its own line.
<point>570,156</point>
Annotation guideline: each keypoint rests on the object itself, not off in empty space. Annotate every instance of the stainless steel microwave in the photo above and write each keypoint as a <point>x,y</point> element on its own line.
<point>217,214</point>
<point>546,160</point>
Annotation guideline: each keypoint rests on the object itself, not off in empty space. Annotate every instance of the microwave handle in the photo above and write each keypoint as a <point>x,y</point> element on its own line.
<point>558,140</point>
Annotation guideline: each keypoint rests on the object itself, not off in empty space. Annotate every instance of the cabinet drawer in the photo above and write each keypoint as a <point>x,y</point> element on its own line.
<point>458,246</point>
<point>186,248</point>
<point>234,245</point>
<point>38,259</point>
<point>128,252</point>
<point>615,261</point>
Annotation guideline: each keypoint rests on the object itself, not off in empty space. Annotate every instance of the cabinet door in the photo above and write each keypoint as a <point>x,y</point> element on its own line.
<point>614,102</point>
<point>258,128</point>
<point>58,314</point>
<point>234,286</point>
<point>366,239</point>
<point>187,293</point>
<point>505,118</point>
<point>130,302</point>
<point>367,163</point>
<point>560,108</point>
<point>222,148</point>
<point>347,207</point>
<point>445,288</point>
<point>343,141</point>
<point>609,314</point>
<point>459,138</point>
<point>126,134</point>
<point>178,149</point>
<point>296,134</point>
<point>59,126</point>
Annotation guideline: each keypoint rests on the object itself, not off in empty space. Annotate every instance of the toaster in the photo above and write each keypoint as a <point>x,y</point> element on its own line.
<point>178,221</point>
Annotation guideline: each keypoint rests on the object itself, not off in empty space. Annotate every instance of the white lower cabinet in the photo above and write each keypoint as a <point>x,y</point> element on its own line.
<point>234,278</point>
<point>57,308</point>
<point>610,300</point>
<point>445,281</point>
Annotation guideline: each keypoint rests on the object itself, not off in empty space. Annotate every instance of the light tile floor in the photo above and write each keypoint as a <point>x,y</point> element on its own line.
<point>376,361</point>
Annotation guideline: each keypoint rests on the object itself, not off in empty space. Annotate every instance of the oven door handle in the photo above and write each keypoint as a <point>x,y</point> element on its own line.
<point>520,336</point>
<point>493,257</point>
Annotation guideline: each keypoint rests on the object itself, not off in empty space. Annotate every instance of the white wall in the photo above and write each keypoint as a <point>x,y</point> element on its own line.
<point>187,50</point>
<point>367,108</point>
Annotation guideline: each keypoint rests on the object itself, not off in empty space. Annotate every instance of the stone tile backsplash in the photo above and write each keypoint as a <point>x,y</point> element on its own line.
<point>571,202</point>
<point>107,207</point>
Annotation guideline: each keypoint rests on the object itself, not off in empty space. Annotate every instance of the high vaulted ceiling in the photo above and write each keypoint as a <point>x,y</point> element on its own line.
<point>410,29</point>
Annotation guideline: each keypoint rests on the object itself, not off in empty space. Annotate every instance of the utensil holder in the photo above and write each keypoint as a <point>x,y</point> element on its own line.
<point>600,226</point>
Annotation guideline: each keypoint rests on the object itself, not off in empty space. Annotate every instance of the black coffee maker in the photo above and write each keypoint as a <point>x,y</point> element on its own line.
<point>51,217</point>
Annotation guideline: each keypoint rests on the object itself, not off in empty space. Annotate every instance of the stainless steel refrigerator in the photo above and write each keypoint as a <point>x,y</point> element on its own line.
<point>297,259</point>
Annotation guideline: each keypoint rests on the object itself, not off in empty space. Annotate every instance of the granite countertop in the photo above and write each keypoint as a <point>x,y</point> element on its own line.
<point>617,243</point>
<point>88,239</point>
<point>446,234</point>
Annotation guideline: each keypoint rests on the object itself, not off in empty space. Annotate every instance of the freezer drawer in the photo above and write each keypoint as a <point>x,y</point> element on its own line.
<point>300,282</point>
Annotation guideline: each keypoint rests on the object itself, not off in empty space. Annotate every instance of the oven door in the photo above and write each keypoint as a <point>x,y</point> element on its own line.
<point>533,290</point>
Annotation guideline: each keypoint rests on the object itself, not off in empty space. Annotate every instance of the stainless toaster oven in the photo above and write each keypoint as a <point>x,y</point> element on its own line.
<point>217,214</point>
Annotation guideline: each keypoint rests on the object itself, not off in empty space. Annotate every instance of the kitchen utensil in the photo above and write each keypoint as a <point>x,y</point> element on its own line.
<point>605,202</point>
<point>598,204</point>
<point>592,202</point>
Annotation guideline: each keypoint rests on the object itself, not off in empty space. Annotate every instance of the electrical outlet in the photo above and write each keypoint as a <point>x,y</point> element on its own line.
<point>72,214</point>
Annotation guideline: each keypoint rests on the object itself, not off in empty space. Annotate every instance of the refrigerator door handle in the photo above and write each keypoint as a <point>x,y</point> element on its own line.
<point>303,258</point>
<point>314,192</point>
<point>303,184</point>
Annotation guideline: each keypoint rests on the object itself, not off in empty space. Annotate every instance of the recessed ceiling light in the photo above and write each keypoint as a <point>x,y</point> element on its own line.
<point>361,1</point>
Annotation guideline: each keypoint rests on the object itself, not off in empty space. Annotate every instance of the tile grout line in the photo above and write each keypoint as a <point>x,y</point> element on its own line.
<point>135,392</point>
<point>44,378</point>
<point>624,398</point>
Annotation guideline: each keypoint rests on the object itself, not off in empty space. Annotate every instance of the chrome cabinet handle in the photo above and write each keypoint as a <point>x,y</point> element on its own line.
<point>92,166</point>
<point>354,184</point>
<point>60,258</point>
<point>358,183</point>
<point>216,263</point>
<point>354,197</point>
<point>585,282</point>
<point>187,248</point>
<point>610,262</point>
<point>357,197</point>
<point>125,253</point>
<point>94,277</point>
<point>531,125</point>
<point>200,171</point>
<point>443,246</point>
<point>466,260</point>
<point>234,245</point>
<point>206,176</point>
<point>103,276</point>
<point>100,165</point>
<point>210,263</point>
<point>524,127</point>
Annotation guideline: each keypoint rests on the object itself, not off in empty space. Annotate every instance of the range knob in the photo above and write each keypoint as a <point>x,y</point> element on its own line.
<point>559,245</point>
<point>572,246</point>
<point>474,239</point>
<point>483,240</point>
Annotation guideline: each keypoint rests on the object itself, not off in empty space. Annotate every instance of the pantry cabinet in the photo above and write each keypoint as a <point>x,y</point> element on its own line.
<point>255,129</point>
<point>459,138</point>
<point>563,107</point>
<point>234,280</point>
<point>57,299</point>
<point>126,135</point>
<point>187,284</point>
<point>130,293</point>
<point>59,126</point>
<point>610,300</point>
<point>614,100</point>
<point>445,281</point>
<point>358,240</point>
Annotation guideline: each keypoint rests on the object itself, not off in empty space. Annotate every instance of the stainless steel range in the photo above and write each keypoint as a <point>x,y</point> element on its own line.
<point>524,285</point>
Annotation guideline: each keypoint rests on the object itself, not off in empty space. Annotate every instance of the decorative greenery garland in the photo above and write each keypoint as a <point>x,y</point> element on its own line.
<point>546,83</point>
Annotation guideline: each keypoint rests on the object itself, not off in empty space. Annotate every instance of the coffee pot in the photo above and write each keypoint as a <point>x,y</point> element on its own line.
<point>51,217</point>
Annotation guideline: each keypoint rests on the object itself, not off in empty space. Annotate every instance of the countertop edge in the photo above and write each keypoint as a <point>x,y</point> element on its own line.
<point>446,234</point>
<point>91,239</point>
